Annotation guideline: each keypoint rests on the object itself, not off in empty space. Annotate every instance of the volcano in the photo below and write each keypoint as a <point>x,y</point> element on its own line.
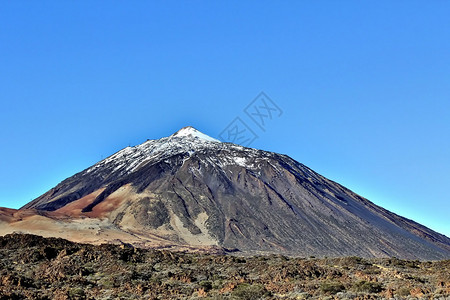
<point>191,191</point>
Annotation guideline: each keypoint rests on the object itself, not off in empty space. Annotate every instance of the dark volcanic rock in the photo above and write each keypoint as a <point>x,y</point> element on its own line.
<point>80,271</point>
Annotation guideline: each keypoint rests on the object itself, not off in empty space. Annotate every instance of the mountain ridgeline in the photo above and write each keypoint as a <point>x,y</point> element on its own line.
<point>191,190</point>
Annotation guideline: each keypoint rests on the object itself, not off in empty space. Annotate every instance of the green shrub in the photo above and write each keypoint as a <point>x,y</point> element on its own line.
<point>76,293</point>
<point>106,283</point>
<point>403,292</point>
<point>250,292</point>
<point>332,287</point>
<point>368,287</point>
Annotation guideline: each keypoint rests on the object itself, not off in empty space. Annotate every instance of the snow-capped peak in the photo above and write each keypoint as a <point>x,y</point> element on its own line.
<point>190,131</point>
<point>187,139</point>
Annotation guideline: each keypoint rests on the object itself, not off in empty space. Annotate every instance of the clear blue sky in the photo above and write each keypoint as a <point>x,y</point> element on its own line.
<point>364,86</point>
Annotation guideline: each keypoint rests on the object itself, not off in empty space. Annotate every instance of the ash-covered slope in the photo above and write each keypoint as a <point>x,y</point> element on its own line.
<point>191,189</point>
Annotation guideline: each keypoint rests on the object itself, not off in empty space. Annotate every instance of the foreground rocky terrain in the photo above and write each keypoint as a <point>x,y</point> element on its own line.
<point>32,267</point>
<point>189,190</point>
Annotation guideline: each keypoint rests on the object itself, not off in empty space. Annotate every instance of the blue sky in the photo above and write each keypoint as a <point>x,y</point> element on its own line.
<point>364,88</point>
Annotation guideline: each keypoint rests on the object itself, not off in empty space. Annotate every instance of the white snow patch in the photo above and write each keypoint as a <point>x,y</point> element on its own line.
<point>241,161</point>
<point>194,133</point>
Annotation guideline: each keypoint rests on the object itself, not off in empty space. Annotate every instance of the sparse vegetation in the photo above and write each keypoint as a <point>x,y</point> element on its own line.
<point>250,291</point>
<point>368,287</point>
<point>332,288</point>
<point>32,267</point>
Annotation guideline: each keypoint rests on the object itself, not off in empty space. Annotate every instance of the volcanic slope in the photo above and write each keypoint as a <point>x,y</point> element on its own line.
<point>191,190</point>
